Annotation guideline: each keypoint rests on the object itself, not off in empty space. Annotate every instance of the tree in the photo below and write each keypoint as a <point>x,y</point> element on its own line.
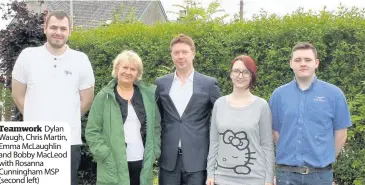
<point>129,15</point>
<point>6,103</point>
<point>192,11</point>
<point>25,30</point>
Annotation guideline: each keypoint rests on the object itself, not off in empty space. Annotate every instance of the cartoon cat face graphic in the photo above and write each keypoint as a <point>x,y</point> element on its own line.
<point>240,156</point>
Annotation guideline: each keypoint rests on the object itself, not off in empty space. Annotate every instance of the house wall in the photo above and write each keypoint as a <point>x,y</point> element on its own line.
<point>153,14</point>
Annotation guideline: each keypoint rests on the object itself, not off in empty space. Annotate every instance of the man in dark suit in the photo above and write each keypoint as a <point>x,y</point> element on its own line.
<point>185,99</point>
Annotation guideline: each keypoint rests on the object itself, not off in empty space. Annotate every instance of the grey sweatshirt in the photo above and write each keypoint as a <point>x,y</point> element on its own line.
<point>241,148</point>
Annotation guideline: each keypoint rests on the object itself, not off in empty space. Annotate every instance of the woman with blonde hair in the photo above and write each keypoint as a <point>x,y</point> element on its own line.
<point>123,129</point>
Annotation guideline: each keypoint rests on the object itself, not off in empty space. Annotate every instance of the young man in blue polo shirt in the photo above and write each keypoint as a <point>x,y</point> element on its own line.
<point>310,121</point>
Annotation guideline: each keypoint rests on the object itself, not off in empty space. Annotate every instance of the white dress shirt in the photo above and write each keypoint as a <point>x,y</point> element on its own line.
<point>180,94</point>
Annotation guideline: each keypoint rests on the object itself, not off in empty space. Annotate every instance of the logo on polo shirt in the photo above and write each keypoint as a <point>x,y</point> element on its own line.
<point>67,72</point>
<point>319,98</point>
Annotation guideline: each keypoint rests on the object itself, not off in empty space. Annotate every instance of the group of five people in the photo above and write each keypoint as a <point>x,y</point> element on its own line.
<point>198,136</point>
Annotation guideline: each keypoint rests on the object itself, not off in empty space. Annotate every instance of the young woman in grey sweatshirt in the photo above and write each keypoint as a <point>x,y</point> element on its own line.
<point>241,144</point>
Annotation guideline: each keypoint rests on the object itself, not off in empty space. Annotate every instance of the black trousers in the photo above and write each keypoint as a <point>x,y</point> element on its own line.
<point>75,162</point>
<point>135,168</point>
<point>179,176</point>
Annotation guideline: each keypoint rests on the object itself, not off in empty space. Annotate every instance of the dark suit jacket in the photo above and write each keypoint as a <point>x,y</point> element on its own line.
<point>192,127</point>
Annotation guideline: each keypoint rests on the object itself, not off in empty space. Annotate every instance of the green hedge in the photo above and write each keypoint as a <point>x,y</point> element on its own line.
<point>339,38</point>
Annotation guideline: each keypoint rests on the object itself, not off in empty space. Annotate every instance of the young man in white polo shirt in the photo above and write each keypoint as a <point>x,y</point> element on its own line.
<point>55,83</point>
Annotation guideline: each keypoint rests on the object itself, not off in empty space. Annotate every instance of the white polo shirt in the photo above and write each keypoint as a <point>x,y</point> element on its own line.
<point>53,86</point>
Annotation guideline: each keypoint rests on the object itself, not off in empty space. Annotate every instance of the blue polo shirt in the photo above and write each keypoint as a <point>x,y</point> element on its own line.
<point>306,121</point>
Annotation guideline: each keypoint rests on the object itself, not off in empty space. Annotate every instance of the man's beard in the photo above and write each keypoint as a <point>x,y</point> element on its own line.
<point>57,45</point>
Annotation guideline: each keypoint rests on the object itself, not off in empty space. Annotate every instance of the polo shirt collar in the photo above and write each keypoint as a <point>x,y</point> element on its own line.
<point>314,82</point>
<point>58,57</point>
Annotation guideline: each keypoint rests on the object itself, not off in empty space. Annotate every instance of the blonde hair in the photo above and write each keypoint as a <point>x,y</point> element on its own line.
<point>128,56</point>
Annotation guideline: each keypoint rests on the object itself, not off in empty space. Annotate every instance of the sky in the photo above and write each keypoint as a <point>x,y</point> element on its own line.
<point>251,7</point>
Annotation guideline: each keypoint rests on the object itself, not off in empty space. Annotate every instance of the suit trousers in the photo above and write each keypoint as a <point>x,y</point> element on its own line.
<point>179,176</point>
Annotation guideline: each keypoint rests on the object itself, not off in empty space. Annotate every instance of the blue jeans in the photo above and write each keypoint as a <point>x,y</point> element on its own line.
<point>290,178</point>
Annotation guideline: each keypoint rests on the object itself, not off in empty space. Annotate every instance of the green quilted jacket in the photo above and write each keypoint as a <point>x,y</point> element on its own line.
<point>105,137</point>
